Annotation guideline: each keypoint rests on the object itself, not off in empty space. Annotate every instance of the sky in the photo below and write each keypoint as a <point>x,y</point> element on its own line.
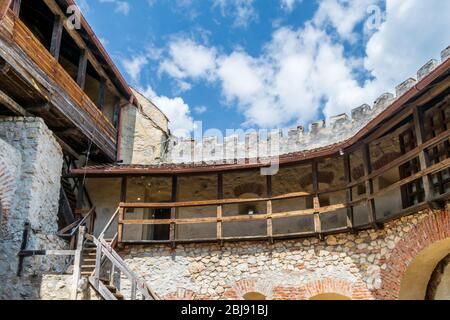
<point>264,64</point>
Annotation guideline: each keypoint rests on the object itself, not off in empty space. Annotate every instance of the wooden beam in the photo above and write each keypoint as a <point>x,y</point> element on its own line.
<point>349,195</point>
<point>23,246</point>
<point>316,200</point>
<point>55,46</point>
<point>16,5</point>
<point>82,67</point>
<point>269,220</point>
<point>369,185</point>
<point>40,108</point>
<point>123,189</point>
<point>77,263</point>
<point>102,94</point>
<point>219,208</point>
<point>11,104</point>
<point>173,211</point>
<point>423,155</point>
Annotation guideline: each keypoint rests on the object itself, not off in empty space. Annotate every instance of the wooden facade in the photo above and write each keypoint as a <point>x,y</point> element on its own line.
<point>38,80</point>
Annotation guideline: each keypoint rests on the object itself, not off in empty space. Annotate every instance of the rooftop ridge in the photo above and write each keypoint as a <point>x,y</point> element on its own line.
<point>320,134</point>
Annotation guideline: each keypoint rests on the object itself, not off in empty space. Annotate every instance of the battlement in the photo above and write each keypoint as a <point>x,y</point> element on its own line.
<point>278,142</point>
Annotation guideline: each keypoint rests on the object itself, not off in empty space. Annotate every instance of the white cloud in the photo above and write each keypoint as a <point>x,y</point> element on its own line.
<point>134,66</point>
<point>200,109</point>
<point>176,109</point>
<point>188,59</point>
<point>304,72</point>
<point>122,7</point>
<point>242,11</point>
<point>289,5</point>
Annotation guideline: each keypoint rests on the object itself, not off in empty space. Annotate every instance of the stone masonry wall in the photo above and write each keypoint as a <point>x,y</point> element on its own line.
<point>34,158</point>
<point>359,266</point>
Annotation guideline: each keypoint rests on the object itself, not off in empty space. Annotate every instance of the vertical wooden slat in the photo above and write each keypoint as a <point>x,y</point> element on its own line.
<point>269,220</point>
<point>369,185</point>
<point>77,263</point>
<point>316,200</point>
<point>55,46</point>
<point>349,195</point>
<point>82,67</point>
<point>173,211</point>
<point>219,207</point>
<point>423,155</point>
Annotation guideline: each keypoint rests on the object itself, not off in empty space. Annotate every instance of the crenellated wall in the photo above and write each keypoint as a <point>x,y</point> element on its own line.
<point>279,142</point>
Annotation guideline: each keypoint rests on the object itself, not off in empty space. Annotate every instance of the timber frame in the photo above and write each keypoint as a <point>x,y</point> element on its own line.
<point>423,165</point>
<point>33,81</point>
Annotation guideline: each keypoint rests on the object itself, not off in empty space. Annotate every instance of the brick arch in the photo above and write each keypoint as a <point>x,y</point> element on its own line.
<point>240,288</point>
<point>353,290</point>
<point>182,295</point>
<point>7,188</point>
<point>430,230</point>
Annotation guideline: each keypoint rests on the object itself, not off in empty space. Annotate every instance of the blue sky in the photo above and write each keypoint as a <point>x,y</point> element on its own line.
<point>266,63</point>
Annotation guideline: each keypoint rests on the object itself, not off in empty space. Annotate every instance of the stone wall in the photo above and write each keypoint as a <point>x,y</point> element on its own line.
<point>144,133</point>
<point>31,160</point>
<point>367,265</point>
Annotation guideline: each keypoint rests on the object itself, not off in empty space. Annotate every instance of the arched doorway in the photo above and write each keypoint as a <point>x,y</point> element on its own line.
<point>256,296</point>
<point>416,279</point>
<point>330,296</point>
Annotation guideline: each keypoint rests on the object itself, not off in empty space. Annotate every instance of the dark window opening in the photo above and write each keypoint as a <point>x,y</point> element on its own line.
<point>39,19</point>
<point>92,87</point>
<point>69,56</point>
<point>161,231</point>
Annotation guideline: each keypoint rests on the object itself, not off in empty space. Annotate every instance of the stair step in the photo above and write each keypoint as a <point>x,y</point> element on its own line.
<point>119,296</point>
<point>89,260</point>
<point>88,267</point>
<point>113,289</point>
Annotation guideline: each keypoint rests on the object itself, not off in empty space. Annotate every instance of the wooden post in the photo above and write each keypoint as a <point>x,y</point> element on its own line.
<point>269,220</point>
<point>173,212</point>
<point>349,195</point>
<point>98,264</point>
<point>423,155</point>
<point>219,208</point>
<point>102,94</point>
<point>369,186</point>
<point>16,7</point>
<point>316,200</point>
<point>82,67</point>
<point>55,46</point>
<point>120,225</point>
<point>77,263</point>
<point>123,190</point>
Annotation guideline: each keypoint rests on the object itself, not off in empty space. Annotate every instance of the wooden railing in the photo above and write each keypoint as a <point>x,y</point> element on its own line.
<point>71,232</point>
<point>105,253</point>
<point>17,32</point>
<point>316,211</point>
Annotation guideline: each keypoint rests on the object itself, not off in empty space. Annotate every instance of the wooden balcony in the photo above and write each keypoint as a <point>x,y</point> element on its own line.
<point>34,83</point>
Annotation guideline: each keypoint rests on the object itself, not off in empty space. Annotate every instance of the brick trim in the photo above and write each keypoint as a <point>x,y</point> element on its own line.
<point>7,188</point>
<point>353,290</point>
<point>433,228</point>
<point>182,295</point>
